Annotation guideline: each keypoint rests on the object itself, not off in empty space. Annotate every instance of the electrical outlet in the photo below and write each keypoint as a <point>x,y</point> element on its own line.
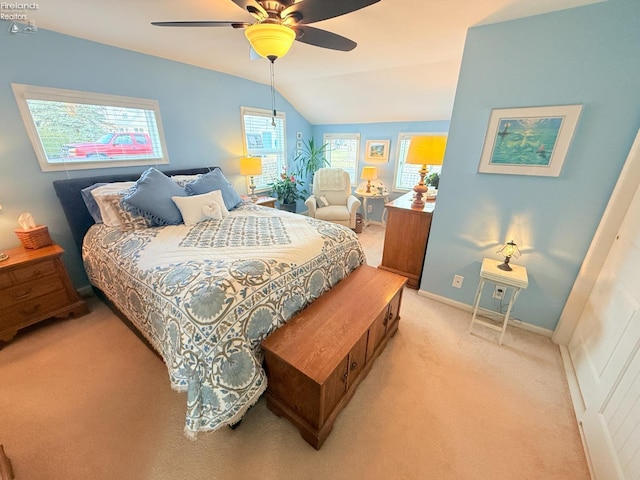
<point>369,208</point>
<point>498,292</point>
<point>457,281</point>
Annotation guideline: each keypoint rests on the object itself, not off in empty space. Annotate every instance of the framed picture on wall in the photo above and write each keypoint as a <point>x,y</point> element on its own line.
<point>528,141</point>
<point>377,150</point>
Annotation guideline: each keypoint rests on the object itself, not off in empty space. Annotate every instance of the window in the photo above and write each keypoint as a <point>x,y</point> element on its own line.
<point>342,152</point>
<point>406,175</point>
<point>72,130</point>
<point>263,139</point>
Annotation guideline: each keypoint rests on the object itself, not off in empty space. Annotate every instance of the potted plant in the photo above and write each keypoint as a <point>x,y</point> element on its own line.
<point>285,189</point>
<point>310,159</point>
<point>433,180</point>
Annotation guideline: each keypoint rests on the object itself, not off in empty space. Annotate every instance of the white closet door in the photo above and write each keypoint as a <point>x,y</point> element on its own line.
<point>605,351</point>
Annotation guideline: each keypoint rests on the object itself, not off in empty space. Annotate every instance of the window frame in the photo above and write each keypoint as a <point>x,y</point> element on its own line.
<point>326,140</point>
<point>281,162</point>
<point>23,93</point>
<point>403,136</point>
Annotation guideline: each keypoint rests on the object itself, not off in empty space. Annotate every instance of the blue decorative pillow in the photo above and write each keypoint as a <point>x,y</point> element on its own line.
<point>151,197</point>
<point>215,180</point>
<point>91,203</point>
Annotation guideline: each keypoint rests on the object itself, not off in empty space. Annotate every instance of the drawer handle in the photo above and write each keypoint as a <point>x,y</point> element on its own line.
<point>387,318</point>
<point>37,273</point>
<point>26,293</point>
<point>30,311</point>
<point>354,365</point>
<point>345,375</point>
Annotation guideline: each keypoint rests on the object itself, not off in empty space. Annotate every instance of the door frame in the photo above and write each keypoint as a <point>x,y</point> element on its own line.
<point>626,186</point>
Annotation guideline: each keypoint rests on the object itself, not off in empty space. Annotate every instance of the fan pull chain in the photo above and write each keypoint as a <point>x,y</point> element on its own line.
<point>273,95</point>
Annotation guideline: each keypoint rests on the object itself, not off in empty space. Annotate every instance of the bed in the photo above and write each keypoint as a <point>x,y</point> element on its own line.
<point>205,295</point>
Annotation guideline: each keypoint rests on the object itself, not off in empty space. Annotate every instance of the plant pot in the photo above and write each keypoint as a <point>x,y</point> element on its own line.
<point>289,207</point>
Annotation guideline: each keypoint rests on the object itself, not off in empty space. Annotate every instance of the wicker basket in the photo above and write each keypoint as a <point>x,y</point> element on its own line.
<point>36,237</point>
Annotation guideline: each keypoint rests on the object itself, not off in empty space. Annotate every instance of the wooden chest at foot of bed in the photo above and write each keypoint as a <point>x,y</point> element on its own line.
<point>315,362</point>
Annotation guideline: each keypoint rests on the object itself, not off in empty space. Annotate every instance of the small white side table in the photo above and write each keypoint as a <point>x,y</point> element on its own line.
<point>516,279</point>
<point>375,196</point>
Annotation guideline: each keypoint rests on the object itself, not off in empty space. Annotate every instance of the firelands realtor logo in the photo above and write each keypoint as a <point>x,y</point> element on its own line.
<point>18,14</point>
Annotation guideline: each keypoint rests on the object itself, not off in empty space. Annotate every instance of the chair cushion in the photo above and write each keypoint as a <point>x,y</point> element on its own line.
<point>322,201</point>
<point>333,212</point>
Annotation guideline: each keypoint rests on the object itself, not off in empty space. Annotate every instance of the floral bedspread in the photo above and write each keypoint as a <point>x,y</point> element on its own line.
<point>205,296</point>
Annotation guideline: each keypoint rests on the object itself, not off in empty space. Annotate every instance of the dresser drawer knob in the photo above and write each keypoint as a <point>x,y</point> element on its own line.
<point>345,375</point>
<point>26,293</point>
<point>30,311</point>
<point>37,273</point>
<point>354,365</point>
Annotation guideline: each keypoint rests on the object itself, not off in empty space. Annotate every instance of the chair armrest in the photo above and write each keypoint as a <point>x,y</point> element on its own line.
<point>353,204</point>
<point>311,205</point>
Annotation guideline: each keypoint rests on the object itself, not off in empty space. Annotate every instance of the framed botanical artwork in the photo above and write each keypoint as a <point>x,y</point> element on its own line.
<point>528,141</point>
<point>377,150</point>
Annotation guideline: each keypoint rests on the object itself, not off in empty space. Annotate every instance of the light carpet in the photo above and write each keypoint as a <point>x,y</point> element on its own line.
<point>86,399</point>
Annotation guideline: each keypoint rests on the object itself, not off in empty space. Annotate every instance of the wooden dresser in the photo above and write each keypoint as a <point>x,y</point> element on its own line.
<point>34,286</point>
<point>315,361</point>
<point>405,238</point>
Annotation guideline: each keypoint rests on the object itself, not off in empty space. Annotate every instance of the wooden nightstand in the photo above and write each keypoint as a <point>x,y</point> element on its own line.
<point>34,286</point>
<point>263,201</point>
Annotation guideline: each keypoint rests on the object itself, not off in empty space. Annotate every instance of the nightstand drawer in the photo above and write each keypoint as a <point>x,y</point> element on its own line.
<point>33,272</point>
<point>6,280</point>
<point>27,291</point>
<point>27,273</point>
<point>35,309</point>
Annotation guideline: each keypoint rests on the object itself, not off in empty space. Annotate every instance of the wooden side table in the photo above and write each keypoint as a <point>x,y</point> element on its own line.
<point>406,237</point>
<point>34,286</point>
<point>516,279</point>
<point>264,201</point>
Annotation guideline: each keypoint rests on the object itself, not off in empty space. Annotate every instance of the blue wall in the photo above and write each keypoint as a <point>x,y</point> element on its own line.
<point>200,112</point>
<point>587,55</point>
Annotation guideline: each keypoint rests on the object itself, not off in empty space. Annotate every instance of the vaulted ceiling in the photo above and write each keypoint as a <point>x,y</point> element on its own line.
<point>405,67</point>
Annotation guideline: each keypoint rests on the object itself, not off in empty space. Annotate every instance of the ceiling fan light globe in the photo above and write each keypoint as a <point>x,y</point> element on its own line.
<point>270,39</point>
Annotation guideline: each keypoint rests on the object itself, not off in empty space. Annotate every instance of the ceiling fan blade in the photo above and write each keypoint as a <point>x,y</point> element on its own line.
<point>316,10</point>
<point>323,38</point>
<point>202,23</point>
<point>253,7</point>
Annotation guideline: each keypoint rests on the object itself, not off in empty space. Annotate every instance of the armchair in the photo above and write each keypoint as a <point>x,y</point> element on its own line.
<point>331,198</point>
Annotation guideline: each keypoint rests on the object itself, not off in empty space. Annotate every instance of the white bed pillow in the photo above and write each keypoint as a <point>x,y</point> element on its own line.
<point>183,180</point>
<point>198,208</point>
<point>104,197</point>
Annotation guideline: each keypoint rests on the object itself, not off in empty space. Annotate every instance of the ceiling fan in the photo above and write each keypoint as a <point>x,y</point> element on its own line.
<point>280,22</point>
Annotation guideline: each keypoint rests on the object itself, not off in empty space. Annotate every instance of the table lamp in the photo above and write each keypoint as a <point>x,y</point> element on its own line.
<point>425,150</point>
<point>368,174</point>
<point>509,250</point>
<point>251,166</point>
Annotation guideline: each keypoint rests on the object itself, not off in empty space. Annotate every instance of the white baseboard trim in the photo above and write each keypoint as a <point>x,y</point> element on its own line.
<point>86,291</point>
<point>469,308</point>
<point>572,380</point>
<point>576,398</point>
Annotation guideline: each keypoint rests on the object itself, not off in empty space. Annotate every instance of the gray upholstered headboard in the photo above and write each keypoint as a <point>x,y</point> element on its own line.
<point>78,217</point>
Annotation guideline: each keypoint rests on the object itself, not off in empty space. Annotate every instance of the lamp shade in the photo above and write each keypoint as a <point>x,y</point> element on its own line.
<point>250,166</point>
<point>426,150</point>
<point>270,39</point>
<point>369,173</point>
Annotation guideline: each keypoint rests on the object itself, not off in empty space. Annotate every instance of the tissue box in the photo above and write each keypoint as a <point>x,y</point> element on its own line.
<point>37,237</point>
